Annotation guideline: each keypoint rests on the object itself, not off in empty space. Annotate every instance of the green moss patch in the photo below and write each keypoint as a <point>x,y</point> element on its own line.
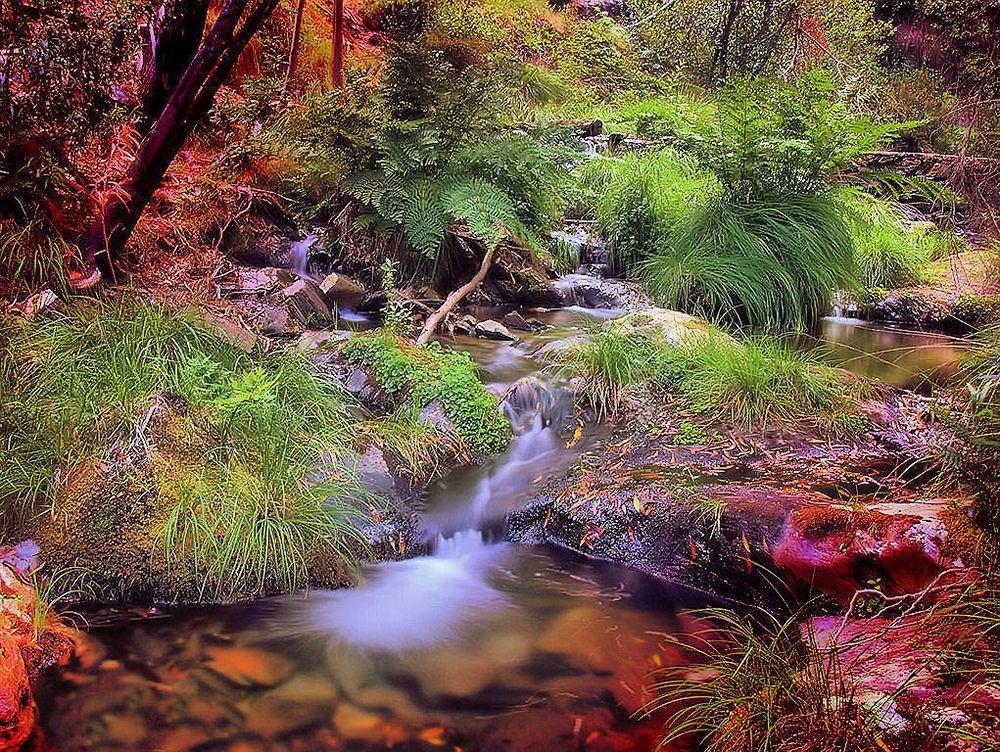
<point>424,375</point>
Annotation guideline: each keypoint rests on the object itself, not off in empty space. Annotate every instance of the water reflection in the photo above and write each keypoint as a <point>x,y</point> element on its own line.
<point>912,360</point>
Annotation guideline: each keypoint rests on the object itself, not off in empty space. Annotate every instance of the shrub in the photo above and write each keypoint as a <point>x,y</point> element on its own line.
<point>250,511</point>
<point>610,361</point>
<point>756,381</point>
<point>887,253</point>
<point>639,199</point>
<point>763,686</point>
<point>773,261</point>
<point>419,376</point>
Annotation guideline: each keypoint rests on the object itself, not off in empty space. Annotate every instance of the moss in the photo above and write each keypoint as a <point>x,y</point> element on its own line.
<point>423,375</point>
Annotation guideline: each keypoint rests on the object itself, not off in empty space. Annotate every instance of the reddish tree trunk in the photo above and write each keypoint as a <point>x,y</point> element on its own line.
<point>338,45</point>
<point>293,52</point>
<point>190,100</point>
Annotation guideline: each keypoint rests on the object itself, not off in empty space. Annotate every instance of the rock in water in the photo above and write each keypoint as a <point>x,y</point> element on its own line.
<point>307,303</point>
<point>341,290</point>
<point>491,329</point>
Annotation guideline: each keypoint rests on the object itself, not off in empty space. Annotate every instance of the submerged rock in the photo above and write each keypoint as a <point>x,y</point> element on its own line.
<point>490,329</point>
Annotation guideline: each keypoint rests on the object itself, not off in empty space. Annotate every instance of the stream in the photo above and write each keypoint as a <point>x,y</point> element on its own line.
<point>480,645</point>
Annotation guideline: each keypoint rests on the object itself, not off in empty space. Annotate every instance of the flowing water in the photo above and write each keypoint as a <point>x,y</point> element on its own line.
<point>478,646</point>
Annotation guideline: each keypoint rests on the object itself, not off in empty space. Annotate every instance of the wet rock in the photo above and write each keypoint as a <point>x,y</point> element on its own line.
<point>263,237</point>
<point>17,706</point>
<point>839,549</point>
<point>307,303</point>
<point>587,291</point>
<point>314,339</point>
<point>248,667</point>
<point>463,325</point>
<point>342,291</point>
<point>514,320</point>
<point>490,329</point>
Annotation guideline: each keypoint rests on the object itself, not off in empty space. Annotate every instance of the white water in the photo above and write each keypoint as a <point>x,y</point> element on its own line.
<point>300,253</point>
<point>415,604</point>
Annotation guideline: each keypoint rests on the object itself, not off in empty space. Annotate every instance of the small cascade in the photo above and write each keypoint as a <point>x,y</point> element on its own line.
<point>299,251</point>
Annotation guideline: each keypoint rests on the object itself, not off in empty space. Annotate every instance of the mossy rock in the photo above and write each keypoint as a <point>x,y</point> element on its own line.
<point>110,512</point>
<point>108,520</point>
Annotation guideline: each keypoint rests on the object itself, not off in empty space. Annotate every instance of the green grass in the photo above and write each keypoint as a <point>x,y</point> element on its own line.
<point>773,262</point>
<point>755,382</point>
<point>250,511</point>
<point>887,253</point>
<point>420,376</point>
<point>639,198</point>
<point>610,361</point>
<point>758,683</point>
<point>752,382</point>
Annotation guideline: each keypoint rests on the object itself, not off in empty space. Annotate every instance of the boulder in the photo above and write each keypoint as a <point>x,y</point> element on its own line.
<point>491,329</point>
<point>17,706</point>
<point>307,303</point>
<point>587,291</point>
<point>673,326</point>
<point>342,291</point>
<point>838,549</point>
<point>515,320</point>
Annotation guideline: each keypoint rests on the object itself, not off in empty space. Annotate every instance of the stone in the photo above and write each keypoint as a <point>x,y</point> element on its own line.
<point>491,329</point>
<point>342,291</point>
<point>314,339</point>
<point>38,304</point>
<point>673,326</point>
<point>227,329</point>
<point>251,281</point>
<point>307,303</point>
<point>514,320</point>
<point>838,549</point>
<point>17,706</point>
<point>248,667</point>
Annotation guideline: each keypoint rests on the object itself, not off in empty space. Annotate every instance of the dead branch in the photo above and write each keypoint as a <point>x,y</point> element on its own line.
<point>456,297</point>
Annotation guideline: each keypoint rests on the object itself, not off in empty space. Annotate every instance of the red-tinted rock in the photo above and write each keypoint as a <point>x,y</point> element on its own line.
<point>839,549</point>
<point>17,707</point>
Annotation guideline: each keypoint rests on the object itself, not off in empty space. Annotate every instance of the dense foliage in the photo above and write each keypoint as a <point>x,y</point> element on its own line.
<point>422,376</point>
<point>249,513</point>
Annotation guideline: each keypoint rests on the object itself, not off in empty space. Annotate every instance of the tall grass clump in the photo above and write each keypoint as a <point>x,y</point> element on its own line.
<point>610,361</point>
<point>761,685</point>
<point>887,253</point>
<point>769,262</point>
<point>757,381</point>
<point>638,200</point>
<point>248,508</point>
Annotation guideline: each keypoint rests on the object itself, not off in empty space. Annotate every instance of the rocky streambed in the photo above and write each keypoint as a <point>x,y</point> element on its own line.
<point>548,582</point>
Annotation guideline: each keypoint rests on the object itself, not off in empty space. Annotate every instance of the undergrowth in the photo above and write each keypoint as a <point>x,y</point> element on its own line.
<point>765,687</point>
<point>420,376</point>
<point>756,381</point>
<point>251,511</point>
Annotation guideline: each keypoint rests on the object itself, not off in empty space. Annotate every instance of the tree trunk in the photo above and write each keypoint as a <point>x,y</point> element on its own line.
<point>456,297</point>
<point>293,52</point>
<point>174,35</point>
<point>192,97</point>
<point>338,45</point>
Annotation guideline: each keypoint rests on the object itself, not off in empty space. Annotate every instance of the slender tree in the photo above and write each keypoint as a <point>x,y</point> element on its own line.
<point>293,52</point>
<point>338,45</point>
<point>188,102</point>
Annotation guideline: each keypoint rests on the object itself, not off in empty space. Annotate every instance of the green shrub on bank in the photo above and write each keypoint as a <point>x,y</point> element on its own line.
<point>753,382</point>
<point>243,511</point>
<point>422,375</point>
<point>889,254</point>
<point>771,262</point>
